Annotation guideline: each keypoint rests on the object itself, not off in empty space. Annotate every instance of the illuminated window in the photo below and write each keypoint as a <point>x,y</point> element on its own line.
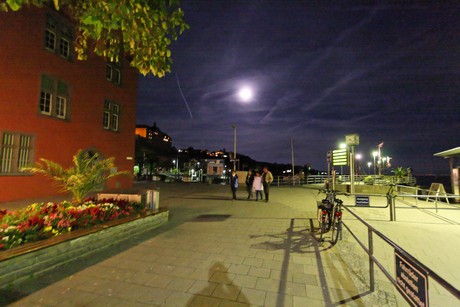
<point>16,152</point>
<point>58,37</point>
<point>113,72</point>
<point>111,115</point>
<point>54,97</point>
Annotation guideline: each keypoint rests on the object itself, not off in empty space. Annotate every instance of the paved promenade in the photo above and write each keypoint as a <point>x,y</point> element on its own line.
<point>219,252</point>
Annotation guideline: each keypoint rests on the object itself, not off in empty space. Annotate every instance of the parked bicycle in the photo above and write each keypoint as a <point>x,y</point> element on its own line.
<point>330,215</point>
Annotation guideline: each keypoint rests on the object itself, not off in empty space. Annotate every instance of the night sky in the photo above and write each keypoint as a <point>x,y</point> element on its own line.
<point>319,70</point>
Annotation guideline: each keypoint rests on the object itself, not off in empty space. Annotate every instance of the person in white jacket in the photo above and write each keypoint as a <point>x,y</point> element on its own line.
<point>257,186</point>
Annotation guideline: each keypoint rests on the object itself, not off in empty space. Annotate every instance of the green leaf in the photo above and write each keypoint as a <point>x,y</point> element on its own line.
<point>14,4</point>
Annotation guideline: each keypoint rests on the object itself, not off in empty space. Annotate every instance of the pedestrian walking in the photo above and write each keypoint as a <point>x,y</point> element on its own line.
<point>234,184</point>
<point>249,181</point>
<point>267,179</point>
<point>257,186</point>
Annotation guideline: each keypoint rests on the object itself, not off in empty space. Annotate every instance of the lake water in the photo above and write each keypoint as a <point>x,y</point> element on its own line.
<point>425,181</point>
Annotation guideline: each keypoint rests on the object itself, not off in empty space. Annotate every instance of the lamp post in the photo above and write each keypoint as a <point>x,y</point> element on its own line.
<point>375,154</point>
<point>342,146</point>
<point>379,146</point>
<point>358,158</point>
<point>234,147</point>
<point>369,166</point>
<point>176,166</point>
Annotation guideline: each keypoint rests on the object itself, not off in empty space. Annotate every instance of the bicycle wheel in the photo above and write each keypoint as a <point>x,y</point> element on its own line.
<point>336,225</point>
<point>323,221</point>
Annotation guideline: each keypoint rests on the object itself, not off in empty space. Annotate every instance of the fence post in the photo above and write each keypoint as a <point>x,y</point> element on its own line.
<point>371,261</point>
<point>391,200</point>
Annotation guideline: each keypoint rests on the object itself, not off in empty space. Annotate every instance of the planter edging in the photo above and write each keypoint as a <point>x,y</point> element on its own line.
<point>39,258</point>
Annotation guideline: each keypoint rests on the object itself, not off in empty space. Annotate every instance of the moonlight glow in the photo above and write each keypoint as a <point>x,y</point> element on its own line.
<point>245,94</point>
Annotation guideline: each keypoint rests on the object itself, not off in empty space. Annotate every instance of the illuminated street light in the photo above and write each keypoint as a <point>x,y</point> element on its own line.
<point>369,166</point>
<point>358,157</point>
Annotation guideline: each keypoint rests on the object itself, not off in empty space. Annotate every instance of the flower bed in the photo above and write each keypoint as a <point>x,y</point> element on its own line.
<point>43,221</point>
<point>35,259</point>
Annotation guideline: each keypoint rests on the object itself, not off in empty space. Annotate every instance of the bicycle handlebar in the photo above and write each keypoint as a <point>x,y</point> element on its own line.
<point>336,192</point>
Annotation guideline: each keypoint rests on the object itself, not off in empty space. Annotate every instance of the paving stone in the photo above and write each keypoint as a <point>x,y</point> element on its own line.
<point>226,291</point>
<point>260,256</point>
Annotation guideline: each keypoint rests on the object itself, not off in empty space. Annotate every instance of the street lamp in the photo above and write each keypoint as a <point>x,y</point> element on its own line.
<point>342,146</point>
<point>375,154</point>
<point>369,166</point>
<point>358,157</point>
<point>234,147</point>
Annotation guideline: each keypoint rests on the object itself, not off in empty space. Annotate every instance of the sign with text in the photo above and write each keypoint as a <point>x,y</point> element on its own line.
<point>362,201</point>
<point>340,157</point>
<point>411,281</point>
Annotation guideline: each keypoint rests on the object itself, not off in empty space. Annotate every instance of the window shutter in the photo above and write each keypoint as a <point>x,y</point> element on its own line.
<point>47,84</point>
<point>62,89</point>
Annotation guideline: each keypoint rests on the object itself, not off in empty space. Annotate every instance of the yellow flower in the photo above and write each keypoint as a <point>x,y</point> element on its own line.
<point>48,228</point>
<point>32,207</point>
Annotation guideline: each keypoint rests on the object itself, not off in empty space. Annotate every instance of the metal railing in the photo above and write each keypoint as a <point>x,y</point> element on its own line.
<point>374,261</point>
<point>362,179</point>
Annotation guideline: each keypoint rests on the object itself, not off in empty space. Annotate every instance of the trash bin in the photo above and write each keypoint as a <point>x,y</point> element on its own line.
<point>152,199</point>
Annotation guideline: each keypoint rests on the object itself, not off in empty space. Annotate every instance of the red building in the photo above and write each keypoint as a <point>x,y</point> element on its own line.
<point>52,105</point>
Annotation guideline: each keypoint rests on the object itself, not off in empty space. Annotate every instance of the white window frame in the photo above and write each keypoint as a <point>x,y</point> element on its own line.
<point>50,31</point>
<point>64,47</point>
<point>108,71</point>
<point>111,116</point>
<point>113,73</point>
<point>46,104</point>
<point>61,37</point>
<point>52,102</point>
<point>61,107</point>
<point>16,152</point>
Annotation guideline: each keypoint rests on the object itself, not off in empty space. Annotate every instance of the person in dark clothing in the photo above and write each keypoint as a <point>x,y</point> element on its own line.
<point>249,181</point>
<point>234,184</point>
<point>267,179</point>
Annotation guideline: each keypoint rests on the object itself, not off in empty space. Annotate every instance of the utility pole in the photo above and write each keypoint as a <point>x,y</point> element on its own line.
<point>234,147</point>
<point>292,160</point>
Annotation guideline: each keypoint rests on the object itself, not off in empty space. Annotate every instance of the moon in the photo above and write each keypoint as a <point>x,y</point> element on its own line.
<point>245,94</point>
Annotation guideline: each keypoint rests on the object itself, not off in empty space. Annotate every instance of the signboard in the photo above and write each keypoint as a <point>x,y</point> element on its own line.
<point>352,139</point>
<point>362,201</point>
<point>340,157</point>
<point>437,189</point>
<point>411,281</point>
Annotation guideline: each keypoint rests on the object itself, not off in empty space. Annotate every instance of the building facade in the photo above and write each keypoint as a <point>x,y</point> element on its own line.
<point>155,136</point>
<point>52,105</point>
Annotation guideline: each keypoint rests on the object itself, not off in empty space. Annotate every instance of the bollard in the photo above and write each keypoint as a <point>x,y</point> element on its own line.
<point>152,199</point>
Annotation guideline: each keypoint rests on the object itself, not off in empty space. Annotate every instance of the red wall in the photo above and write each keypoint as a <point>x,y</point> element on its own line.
<point>23,59</point>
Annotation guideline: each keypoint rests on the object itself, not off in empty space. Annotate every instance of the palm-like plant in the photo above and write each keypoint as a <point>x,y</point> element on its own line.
<point>399,172</point>
<point>88,174</point>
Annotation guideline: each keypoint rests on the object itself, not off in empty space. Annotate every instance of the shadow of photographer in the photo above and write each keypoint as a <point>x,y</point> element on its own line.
<point>220,288</point>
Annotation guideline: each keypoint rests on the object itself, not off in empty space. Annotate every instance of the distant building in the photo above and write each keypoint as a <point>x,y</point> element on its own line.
<point>155,136</point>
<point>52,105</point>
<point>215,167</point>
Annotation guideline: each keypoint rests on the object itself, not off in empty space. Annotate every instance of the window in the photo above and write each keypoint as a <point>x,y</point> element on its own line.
<point>54,97</point>
<point>111,115</point>
<point>50,34</point>
<point>58,37</point>
<point>16,152</point>
<point>113,72</point>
